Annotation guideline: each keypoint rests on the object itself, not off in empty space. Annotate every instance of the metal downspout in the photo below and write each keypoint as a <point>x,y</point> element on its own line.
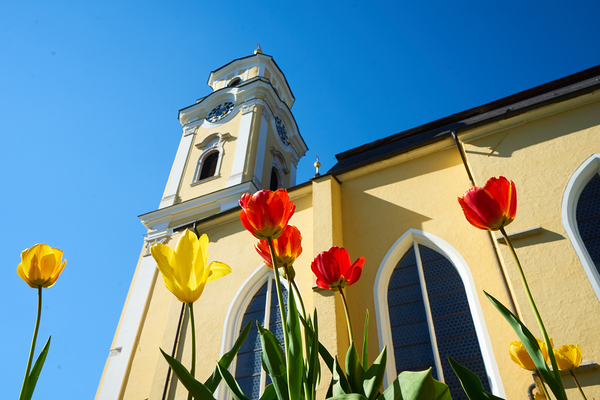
<point>511,296</point>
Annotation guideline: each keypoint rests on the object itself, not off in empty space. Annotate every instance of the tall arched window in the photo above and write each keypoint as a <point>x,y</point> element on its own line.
<point>274,182</point>
<point>209,165</point>
<point>427,308</point>
<point>588,219</point>
<point>256,300</point>
<point>430,318</point>
<point>581,217</point>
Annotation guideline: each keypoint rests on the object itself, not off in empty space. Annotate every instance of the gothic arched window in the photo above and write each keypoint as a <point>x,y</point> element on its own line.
<point>588,219</point>
<point>427,308</point>
<point>430,318</point>
<point>264,308</point>
<point>581,217</point>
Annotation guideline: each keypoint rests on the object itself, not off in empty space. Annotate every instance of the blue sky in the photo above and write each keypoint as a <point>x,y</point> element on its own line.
<point>89,94</point>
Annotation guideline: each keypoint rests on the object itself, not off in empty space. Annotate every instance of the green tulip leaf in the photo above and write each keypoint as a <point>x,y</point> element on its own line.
<point>339,382</point>
<point>325,355</point>
<point>213,382</point>
<point>365,350</point>
<point>295,359</point>
<point>36,370</point>
<point>422,386</point>
<point>314,366</point>
<point>234,388</point>
<point>273,362</point>
<point>195,388</point>
<point>374,376</point>
<point>533,348</point>
<point>269,393</point>
<point>349,396</point>
<point>393,392</point>
<point>354,370</point>
<point>471,383</point>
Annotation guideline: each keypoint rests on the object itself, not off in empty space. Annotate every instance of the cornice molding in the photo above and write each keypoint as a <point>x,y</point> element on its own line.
<point>215,202</point>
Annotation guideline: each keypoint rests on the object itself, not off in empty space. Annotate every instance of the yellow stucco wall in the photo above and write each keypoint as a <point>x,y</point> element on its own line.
<point>540,157</point>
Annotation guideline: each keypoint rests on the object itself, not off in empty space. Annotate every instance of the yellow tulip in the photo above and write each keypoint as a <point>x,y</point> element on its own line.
<point>41,266</point>
<point>184,269</point>
<point>568,357</point>
<point>519,354</point>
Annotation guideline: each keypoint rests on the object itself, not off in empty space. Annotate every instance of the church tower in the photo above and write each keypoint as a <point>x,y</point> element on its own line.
<point>240,138</point>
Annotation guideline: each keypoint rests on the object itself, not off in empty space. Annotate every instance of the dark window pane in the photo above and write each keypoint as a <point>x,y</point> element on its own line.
<point>588,218</point>
<point>248,367</point>
<point>452,320</point>
<point>274,184</point>
<point>209,165</point>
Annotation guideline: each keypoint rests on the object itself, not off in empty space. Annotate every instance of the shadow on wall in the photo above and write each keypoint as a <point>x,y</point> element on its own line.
<point>503,144</point>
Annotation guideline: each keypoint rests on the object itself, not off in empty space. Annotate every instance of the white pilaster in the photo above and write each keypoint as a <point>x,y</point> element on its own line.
<point>241,148</point>
<point>178,166</point>
<point>260,152</point>
<point>120,354</point>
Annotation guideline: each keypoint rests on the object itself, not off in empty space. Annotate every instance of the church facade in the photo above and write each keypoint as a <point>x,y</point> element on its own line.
<point>392,201</point>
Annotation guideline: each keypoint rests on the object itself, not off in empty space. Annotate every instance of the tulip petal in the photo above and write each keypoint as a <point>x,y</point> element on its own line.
<point>217,270</point>
<point>164,257</point>
<point>471,215</point>
<point>22,275</point>
<point>485,206</point>
<point>55,275</point>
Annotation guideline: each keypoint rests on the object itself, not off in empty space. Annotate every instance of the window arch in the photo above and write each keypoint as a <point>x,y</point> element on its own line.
<point>256,300</point>
<point>209,161</point>
<point>427,307</point>
<point>581,217</point>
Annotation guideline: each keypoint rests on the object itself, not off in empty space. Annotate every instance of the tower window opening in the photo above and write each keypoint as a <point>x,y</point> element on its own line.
<point>234,82</point>
<point>209,166</point>
<point>274,184</point>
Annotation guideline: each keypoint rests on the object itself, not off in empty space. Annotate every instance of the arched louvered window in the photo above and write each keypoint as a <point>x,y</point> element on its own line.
<point>430,318</point>
<point>588,219</point>
<point>263,308</point>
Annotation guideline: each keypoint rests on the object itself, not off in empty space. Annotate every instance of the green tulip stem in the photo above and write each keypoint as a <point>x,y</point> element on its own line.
<point>279,294</point>
<point>535,311</point>
<point>193,326</point>
<point>578,385</point>
<point>293,282</point>
<point>32,350</point>
<point>351,336</point>
<point>543,385</point>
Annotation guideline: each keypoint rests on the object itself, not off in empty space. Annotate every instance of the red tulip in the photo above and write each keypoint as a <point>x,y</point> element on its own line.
<point>333,269</point>
<point>265,214</point>
<point>491,207</point>
<point>287,248</point>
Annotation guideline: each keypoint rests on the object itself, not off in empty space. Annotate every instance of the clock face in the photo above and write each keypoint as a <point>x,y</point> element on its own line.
<point>281,130</point>
<point>220,111</point>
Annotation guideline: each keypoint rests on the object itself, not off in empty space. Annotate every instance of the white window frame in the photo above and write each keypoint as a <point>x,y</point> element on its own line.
<point>575,186</point>
<point>414,237</point>
<point>209,145</point>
